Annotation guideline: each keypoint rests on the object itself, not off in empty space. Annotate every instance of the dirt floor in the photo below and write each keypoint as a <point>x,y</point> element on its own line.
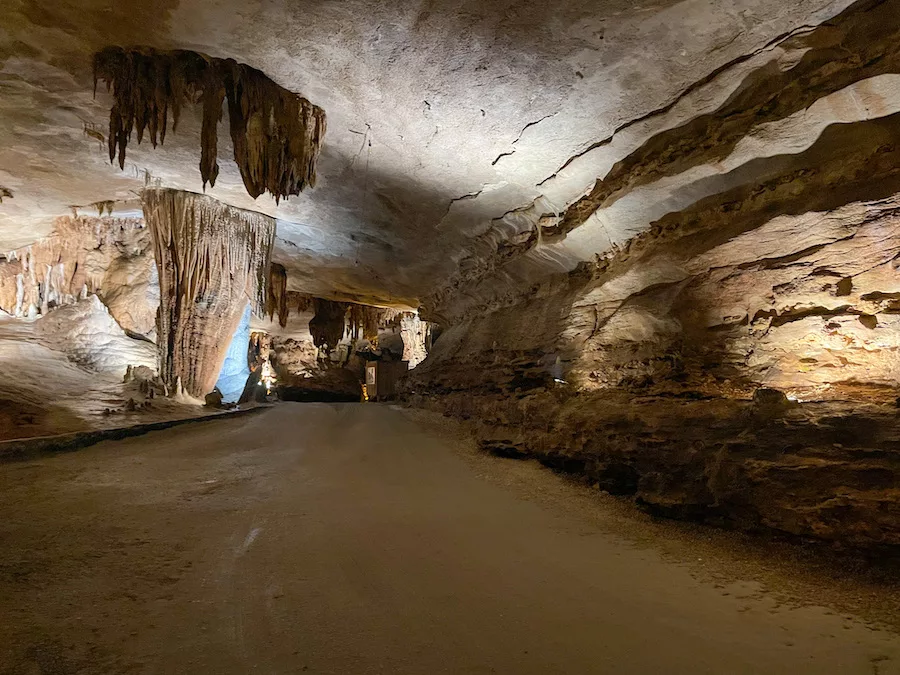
<point>348,538</point>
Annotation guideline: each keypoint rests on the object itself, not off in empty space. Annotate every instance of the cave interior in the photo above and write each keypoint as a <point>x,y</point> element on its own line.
<point>652,245</point>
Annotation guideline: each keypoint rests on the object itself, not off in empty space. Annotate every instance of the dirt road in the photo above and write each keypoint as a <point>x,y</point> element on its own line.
<point>344,538</point>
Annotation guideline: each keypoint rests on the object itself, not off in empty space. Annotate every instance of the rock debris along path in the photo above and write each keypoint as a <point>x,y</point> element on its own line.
<point>360,539</point>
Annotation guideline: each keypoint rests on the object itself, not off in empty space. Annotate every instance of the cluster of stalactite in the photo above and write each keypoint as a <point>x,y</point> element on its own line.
<point>277,295</point>
<point>212,260</point>
<point>366,321</point>
<point>333,320</point>
<point>276,134</point>
<point>328,323</point>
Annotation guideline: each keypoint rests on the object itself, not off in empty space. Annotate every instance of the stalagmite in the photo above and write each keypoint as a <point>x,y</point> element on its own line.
<point>276,133</point>
<point>212,259</point>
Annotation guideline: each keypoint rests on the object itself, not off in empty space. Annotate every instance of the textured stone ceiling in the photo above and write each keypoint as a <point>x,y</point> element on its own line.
<point>447,120</point>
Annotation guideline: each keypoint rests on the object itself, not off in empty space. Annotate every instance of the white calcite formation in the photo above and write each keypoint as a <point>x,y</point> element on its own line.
<point>110,257</point>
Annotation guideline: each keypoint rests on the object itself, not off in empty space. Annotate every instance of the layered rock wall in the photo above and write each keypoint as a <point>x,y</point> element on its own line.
<point>753,244</point>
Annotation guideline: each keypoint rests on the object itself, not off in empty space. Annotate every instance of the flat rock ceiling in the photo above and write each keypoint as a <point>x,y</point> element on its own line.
<point>442,116</point>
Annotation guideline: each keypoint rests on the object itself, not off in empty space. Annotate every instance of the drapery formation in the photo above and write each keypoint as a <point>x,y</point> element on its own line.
<point>328,323</point>
<point>276,133</point>
<point>212,260</point>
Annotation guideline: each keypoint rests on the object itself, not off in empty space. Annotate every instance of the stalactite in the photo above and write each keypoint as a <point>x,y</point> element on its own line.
<point>5,193</point>
<point>327,326</point>
<point>302,300</point>
<point>366,320</point>
<point>276,134</point>
<point>104,207</point>
<point>212,259</point>
<point>277,295</point>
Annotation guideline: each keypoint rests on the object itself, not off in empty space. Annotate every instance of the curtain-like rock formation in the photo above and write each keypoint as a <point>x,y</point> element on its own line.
<point>276,133</point>
<point>212,259</point>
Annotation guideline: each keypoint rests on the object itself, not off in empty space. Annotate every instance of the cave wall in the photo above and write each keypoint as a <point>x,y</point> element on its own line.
<point>751,248</point>
<point>640,372</point>
<point>111,257</point>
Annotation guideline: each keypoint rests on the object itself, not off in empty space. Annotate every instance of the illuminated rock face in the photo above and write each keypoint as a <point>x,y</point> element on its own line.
<point>235,369</point>
<point>212,259</point>
<point>621,243</point>
<point>753,246</point>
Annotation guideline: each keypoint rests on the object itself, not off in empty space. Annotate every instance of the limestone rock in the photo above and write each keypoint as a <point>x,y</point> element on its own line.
<point>213,260</point>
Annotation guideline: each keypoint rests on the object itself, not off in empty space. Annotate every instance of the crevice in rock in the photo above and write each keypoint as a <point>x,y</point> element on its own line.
<point>471,195</point>
<point>519,137</point>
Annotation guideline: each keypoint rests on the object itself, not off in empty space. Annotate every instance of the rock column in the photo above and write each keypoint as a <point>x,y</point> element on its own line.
<point>212,258</point>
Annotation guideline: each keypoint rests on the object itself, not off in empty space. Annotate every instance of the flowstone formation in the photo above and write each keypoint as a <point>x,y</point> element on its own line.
<point>111,257</point>
<point>213,259</point>
<point>277,134</point>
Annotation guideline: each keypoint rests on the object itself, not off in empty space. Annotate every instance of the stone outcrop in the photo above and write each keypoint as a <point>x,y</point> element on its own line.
<point>213,259</point>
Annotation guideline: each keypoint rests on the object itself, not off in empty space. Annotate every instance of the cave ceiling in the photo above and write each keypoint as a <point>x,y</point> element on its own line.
<point>453,126</point>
